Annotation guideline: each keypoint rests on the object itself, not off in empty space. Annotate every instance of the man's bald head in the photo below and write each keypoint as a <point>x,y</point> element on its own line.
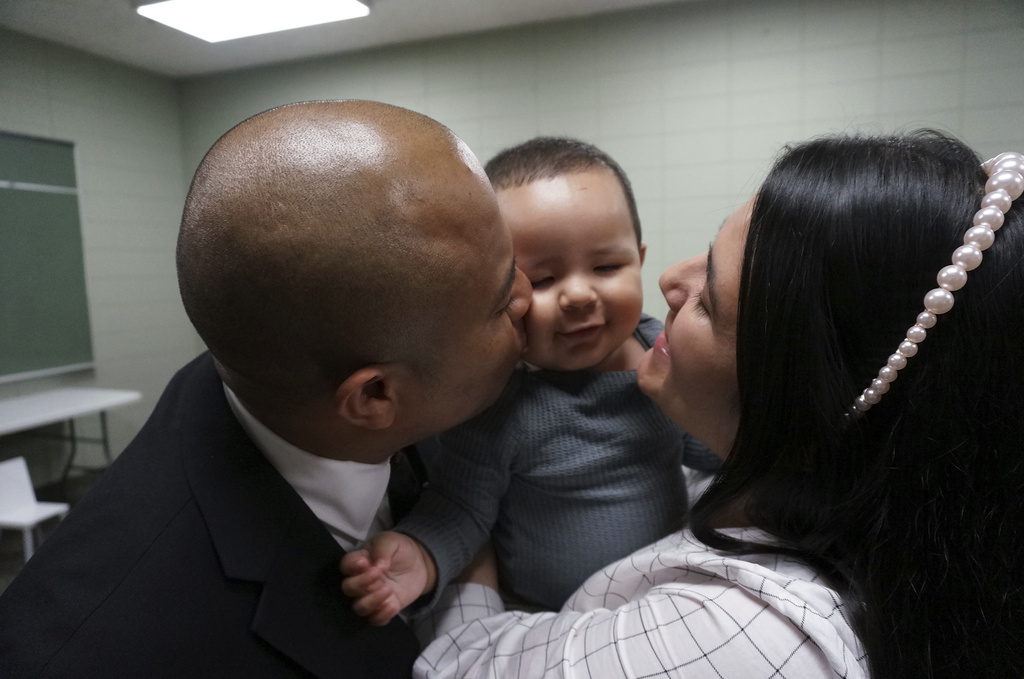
<point>321,237</point>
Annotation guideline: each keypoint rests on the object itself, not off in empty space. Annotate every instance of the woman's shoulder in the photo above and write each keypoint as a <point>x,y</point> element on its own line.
<point>678,553</point>
<point>694,576</point>
<point>680,559</point>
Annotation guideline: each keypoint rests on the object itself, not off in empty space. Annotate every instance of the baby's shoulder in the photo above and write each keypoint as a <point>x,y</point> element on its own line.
<point>648,329</point>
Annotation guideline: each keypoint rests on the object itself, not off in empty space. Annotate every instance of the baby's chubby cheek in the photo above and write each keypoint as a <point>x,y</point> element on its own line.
<point>540,323</point>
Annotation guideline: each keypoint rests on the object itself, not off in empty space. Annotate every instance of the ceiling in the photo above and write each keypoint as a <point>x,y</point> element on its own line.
<point>112,29</point>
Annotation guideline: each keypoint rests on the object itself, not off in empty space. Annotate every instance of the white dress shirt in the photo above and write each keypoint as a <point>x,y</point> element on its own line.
<point>674,609</point>
<point>350,498</point>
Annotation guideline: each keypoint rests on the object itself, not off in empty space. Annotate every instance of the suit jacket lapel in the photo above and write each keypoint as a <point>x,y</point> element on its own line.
<point>315,626</point>
<point>264,532</point>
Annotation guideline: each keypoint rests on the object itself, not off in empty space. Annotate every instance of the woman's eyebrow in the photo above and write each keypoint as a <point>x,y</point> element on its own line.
<point>709,277</point>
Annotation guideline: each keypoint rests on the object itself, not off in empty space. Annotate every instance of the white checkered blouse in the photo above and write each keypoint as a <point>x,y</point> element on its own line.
<point>673,609</point>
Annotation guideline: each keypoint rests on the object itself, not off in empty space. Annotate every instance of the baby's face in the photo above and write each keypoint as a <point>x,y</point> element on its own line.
<point>573,238</point>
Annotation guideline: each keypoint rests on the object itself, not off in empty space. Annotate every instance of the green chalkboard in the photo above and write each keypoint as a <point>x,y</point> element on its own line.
<point>44,315</point>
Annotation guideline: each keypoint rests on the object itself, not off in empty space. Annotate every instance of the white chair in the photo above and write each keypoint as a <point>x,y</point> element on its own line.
<point>18,505</point>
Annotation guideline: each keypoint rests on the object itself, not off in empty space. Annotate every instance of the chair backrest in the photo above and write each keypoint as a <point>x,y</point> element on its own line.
<point>15,485</point>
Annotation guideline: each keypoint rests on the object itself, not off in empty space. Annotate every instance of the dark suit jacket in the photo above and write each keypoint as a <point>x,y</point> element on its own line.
<point>191,557</point>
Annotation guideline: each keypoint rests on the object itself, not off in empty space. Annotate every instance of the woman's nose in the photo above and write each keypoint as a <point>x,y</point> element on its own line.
<point>679,280</point>
<point>576,293</point>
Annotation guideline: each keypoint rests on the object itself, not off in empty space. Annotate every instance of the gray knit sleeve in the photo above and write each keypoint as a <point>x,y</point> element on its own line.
<point>458,508</point>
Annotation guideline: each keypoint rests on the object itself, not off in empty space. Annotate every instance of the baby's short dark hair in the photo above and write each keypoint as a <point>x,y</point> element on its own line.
<point>550,157</point>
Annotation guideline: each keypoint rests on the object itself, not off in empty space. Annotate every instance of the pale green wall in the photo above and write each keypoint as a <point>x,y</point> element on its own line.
<point>693,99</point>
<point>125,125</point>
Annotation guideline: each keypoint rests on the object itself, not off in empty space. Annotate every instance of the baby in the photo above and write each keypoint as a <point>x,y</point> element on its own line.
<point>573,467</point>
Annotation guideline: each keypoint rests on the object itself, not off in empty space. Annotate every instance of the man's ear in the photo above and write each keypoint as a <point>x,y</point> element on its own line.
<point>643,252</point>
<point>367,398</point>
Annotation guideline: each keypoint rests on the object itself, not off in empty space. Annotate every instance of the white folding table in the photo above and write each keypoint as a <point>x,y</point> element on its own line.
<point>21,413</point>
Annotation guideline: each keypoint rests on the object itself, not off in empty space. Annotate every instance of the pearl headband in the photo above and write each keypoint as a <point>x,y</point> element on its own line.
<point>1005,185</point>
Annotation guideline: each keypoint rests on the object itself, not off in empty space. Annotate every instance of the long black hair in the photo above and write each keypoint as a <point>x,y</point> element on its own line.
<point>916,510</point>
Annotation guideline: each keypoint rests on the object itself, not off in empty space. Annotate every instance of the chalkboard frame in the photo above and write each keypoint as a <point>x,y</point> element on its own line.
<point>44,310</point>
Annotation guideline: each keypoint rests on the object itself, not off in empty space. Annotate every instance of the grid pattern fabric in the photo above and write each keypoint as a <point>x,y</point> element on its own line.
<point>673,609</point>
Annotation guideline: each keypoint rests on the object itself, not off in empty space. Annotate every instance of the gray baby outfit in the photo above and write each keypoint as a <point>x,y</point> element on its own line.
<point>566,473</point>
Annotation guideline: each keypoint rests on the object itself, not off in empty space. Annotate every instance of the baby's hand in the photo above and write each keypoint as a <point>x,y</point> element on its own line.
<point>372,595</point>
<point>388,574</point>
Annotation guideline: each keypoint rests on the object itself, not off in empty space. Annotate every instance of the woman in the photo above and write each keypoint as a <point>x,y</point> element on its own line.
<point>861,524</point>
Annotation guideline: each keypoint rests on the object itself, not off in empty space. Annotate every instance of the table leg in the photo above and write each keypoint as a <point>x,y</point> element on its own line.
<point>74,450</point>
<point>106,437</point>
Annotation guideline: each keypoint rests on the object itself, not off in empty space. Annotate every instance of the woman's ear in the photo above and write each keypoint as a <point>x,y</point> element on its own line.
<point>367,398</point>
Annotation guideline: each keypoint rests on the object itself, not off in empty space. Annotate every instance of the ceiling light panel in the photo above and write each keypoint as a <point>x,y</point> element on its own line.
<point>219,20</point>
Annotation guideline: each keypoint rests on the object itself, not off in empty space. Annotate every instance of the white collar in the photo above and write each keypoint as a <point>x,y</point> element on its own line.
<point>346,496</point>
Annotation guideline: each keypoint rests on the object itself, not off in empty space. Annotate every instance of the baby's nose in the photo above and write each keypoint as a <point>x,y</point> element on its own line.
<point>576,293</point>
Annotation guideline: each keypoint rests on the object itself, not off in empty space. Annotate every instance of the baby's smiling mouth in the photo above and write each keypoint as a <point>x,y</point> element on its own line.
<point>582,333</point>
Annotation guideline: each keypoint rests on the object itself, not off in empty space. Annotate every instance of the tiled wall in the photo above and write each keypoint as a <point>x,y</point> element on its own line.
<point>126,130</point>
<point>694,99</point>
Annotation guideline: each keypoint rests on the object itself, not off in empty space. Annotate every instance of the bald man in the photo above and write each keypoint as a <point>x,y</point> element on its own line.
<point>345,264</point>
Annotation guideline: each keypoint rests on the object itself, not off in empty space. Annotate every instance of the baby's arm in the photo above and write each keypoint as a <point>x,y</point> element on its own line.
<point>451,521</point>
<point>390,572</point>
